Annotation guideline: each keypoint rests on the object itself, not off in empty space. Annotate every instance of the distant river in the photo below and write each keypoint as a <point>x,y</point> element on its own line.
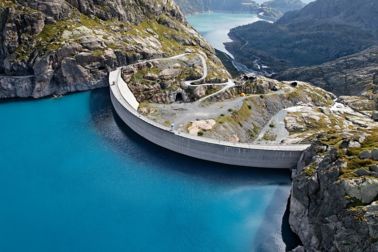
<point>215,26</point>
<point>75,178</point>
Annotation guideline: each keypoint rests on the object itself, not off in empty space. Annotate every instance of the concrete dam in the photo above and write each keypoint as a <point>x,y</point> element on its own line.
<point>240,154</point>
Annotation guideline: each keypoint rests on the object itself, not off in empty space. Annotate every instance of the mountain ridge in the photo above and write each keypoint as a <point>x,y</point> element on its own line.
<point>354,74</point>
<point>322,31</point>
<point>269,10</point>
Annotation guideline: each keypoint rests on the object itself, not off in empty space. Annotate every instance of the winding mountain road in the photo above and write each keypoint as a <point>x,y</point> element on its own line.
<point>230,83</point>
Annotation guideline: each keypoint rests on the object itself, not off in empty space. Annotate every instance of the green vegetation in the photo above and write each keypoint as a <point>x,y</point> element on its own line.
<point>358,212</point>
<point>351,156</point>
<point>7,4</point>
<point>238,117</point>
<point>167,34</point>
<point>254,131</point>
<point>167,123</point>
<point>310,170</point>
<point>269,136</point>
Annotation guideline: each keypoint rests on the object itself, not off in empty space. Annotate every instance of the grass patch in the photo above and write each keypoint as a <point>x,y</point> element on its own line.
<point>269,136</point>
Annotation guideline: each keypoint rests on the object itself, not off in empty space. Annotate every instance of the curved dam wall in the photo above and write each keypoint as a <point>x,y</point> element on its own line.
<point>262,156</point>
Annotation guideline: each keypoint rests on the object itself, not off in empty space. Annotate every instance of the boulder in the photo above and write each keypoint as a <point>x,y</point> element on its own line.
<point>374,154</point>
<point>168,74</point>
<point>274,88</point>
<point>151,76</point>
<point>375,79</point>
<point>345,144</point>
<point>354,144</point>
<point>363,189</point>
<point>375,116</point>
<point>92,43</point>
<point>164,85</point>
<point>362,172</point>
<point>201,125</point>
<point>199,92</point>
<point>373,168</point>
<point>365,155</point>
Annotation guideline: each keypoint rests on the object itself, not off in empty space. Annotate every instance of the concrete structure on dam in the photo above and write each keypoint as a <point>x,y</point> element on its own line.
<point>240,154</point>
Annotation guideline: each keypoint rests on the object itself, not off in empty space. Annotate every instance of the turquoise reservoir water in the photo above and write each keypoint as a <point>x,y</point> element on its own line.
<point>74,178</point>
<point>215,26</point>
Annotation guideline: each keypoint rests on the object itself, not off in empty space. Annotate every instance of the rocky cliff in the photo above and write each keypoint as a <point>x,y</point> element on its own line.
<point>334,199</point>
<point>56,47</point>
<point>284,5</point>
<point>350,75</point>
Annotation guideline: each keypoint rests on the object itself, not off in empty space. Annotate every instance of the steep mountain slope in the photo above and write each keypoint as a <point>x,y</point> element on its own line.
<point>360,14</point>
<point>271,10</point>
<point>322,31</point>
<point>55,47</point>
<point>191,6</point>
<point>353,75</point>
<point>284,5</point>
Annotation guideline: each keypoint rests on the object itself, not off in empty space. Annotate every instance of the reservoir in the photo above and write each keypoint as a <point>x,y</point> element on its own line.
<point>73,178</point>
<point>216,26</point>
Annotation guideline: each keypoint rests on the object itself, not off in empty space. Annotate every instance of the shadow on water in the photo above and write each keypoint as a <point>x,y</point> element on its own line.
<point>124,140</point>
<point>265,238</point>
<point>121,137</point>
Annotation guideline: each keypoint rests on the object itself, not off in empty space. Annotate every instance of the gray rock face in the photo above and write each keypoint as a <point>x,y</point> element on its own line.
<point>70,46</point>
<point>375,116</point>
<point>284,5</point>
<point>365,154</point>
<point>134,11</point>
<point>16,86</point>
<point>350,75</point>
<point>330,213</point>
<point>52,9</point>
<point>365,190</point>
<point>374,154</point>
